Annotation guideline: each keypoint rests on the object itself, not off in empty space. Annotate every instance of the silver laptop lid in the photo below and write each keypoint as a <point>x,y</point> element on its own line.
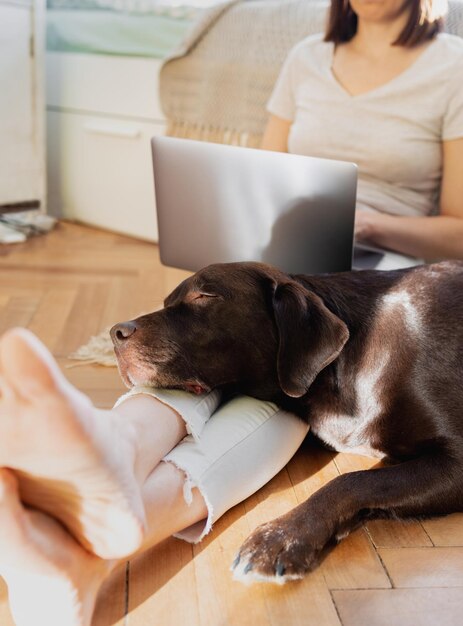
<point>219,204</point>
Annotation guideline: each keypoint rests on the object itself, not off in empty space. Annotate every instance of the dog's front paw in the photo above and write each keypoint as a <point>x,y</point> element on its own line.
<point>276,552</point>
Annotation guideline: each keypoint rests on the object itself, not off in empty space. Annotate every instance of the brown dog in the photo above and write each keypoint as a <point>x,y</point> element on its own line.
<point>372,360</point>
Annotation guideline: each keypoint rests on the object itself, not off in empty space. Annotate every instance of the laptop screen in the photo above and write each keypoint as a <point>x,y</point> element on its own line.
<point>219,204</point>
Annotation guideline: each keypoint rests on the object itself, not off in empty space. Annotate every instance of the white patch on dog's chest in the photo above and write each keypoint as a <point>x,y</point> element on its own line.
<point>350,433</point>
<point>398,319</point>
<point>343,433</point>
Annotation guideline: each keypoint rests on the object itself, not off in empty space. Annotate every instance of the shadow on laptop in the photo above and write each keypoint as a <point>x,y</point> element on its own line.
<point>291,246</point>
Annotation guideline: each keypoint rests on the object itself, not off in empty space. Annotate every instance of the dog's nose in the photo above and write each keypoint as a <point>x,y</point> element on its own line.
<point>121,332</point>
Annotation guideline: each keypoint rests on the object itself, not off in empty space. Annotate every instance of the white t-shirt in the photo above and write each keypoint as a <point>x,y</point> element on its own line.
<point>394,132</point>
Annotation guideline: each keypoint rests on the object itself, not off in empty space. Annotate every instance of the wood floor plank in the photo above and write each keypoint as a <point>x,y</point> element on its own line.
<point>275,498</point>
<point>445,531</point>
<point>57,271</point>
<point>110,608</point>
<point>102,384</point>
<point>91,377</point>
<point>398,534</point>
<point>221,599</point>
<point>400,607</point>
<point>310,469</point>
<point>122,303</point>
<point>354,564</point>
<point>80,324</point>
<point>50,316</point>
<point>162,587</point>
<point>424,567</point>
<point>18,311</point>
<point>4,298</point>
<point>300,603</point>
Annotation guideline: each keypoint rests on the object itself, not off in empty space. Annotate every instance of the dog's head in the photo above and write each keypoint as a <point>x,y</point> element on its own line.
<point>247,325</point>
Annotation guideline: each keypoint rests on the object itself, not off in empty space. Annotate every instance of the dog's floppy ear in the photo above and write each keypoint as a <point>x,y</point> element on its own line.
<point>310,336</point>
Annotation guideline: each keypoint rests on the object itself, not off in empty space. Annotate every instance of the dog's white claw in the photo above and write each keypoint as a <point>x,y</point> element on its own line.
<point>280,570</point>
<point>235,562</point>
<point>244,573</point>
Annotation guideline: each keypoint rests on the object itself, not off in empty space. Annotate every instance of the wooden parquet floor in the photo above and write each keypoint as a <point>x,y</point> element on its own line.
<point>70,284</point>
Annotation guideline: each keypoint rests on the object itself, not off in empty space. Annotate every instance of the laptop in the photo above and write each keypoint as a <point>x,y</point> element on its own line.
<point>217,204</point>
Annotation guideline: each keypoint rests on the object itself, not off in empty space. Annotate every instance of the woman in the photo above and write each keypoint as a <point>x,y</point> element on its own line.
<point>383,89</point>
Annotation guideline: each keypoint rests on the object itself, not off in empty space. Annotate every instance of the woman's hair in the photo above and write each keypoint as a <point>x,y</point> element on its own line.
<point>425,21</point>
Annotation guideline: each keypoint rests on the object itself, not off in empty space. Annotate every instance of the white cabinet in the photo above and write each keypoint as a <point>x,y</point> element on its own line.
<point>101,113</point>
<point>101,173</point>
<point>22,162</point>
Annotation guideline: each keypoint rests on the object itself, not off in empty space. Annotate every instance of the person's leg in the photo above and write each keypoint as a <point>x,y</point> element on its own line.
<point>50,574</point>
<point>242,447</point>
<point>245,444</point>
<point>50,434</point>
<point>51,578</point>
<point>82,465</point>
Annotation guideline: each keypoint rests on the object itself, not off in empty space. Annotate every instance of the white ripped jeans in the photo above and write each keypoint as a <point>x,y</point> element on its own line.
<point>232,449</point>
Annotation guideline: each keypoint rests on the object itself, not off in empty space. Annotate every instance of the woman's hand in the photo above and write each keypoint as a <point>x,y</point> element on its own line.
<point>430,238</point>
<point>427,237</point>
<point>369,225</point>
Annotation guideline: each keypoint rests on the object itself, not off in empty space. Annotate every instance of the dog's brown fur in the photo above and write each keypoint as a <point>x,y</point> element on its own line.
<point>372,360</point>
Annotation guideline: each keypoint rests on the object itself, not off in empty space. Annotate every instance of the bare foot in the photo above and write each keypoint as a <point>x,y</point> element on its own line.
<point>50,577</point>
<point>72,460</point>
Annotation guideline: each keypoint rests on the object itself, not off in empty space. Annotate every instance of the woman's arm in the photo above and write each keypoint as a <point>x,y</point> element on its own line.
<point>276,134</point>
<point>430,238</point>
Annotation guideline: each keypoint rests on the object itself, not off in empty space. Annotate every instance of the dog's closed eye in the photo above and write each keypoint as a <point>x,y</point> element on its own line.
<point>198,296</point>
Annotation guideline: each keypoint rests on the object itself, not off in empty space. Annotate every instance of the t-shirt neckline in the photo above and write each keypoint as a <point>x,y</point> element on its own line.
<point>380,88</point>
